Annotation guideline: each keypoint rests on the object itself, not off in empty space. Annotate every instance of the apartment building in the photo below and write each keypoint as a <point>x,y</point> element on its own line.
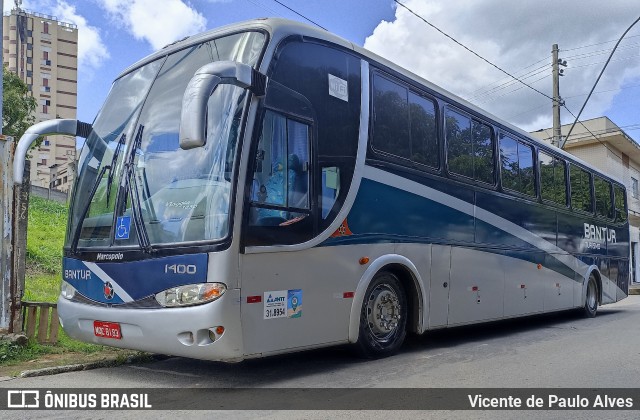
<point>607,147</point>
<point>43,51</point>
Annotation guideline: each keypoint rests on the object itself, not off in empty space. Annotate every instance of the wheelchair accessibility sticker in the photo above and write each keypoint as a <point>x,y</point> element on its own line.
<point>123,227</point>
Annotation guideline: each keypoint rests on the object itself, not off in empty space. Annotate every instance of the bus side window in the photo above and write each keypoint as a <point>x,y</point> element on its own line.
<point>603,197</point>
<point>620,204</point>
<point>330,188</point>
<point>552,179</point>
<point>581,195</point>
<point>516,160</point>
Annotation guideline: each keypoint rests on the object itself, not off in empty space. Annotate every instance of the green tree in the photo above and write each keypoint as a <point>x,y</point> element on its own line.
<point>18,105</point>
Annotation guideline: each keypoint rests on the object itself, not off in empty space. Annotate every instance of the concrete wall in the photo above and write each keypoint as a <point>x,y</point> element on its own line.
<point>55,195</point>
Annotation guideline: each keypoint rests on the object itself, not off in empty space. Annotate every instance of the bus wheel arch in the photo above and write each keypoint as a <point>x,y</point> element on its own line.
<point>413,293</point>
<point>409,278</point>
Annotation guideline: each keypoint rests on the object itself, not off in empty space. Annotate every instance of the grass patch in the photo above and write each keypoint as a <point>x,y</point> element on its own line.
<point>45,239</point>
<point>45,236</point>
<point>11,353</point>
<point>41,286</point>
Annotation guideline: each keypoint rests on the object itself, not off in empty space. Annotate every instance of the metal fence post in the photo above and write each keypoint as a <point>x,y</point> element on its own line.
<point>20,222</point>
<point>6,252</point>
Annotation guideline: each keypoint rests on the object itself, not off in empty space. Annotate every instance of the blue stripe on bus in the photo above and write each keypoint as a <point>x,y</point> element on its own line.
<point>392,215</point>
<point>138,279</point>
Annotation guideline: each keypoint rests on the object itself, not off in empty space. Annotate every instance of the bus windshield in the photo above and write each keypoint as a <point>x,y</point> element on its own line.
<point>135,184</point>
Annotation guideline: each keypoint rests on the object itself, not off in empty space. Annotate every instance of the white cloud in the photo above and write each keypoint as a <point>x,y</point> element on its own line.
<point>514,35</point>
<point>91,50</point>
<point>159,22</point>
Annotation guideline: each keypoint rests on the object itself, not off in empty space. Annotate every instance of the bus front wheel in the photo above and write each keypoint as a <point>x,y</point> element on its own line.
<point>383,317</point>
<point>591,298</point>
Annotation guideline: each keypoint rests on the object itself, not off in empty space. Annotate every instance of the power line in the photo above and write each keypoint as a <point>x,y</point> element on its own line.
<point>600,75</point>
<point>269,10</point>
<point>603,91</point>
<point>589,131</point>
<point>470,50</point>
<point>599,43</point>
<point>599,52</point>
<point>492,91</point>
<point>501,81</point>
<point>491,99</point>
<point>602,62</point>
<point>301,15</point>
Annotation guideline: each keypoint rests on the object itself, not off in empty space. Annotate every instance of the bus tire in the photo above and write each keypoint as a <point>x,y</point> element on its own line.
<point>383,317</point>
<point>591,298</point>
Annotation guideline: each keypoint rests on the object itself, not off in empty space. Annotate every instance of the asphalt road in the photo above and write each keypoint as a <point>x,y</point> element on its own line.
<point>558,351</point>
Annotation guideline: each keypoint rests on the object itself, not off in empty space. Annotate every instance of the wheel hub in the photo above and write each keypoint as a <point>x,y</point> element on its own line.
<point>383,310</point>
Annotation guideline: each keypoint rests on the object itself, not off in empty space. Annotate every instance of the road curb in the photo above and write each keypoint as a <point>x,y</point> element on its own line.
<point>138,358</point>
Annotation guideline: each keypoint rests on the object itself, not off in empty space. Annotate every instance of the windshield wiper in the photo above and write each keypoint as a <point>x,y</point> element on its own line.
<point>131,187</point>
<point>94,189</point>
<point>114,160</point>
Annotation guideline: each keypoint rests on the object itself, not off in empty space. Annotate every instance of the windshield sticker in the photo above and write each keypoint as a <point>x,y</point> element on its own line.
<point>283,304</point>
<point>338,88</point>
<point>123,226</point>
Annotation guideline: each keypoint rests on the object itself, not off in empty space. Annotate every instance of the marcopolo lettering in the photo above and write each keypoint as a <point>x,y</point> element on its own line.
<point>109,257</point>
<point>599,233</point>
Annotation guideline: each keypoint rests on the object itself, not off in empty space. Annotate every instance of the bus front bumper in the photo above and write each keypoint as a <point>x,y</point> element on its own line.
<point>185,331</point>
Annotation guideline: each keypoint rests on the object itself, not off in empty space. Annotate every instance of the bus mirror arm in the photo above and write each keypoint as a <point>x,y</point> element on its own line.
<point>205,80</point>
<point>58,126</point>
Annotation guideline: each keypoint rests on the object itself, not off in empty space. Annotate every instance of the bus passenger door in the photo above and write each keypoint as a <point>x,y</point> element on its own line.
<point>439,286</point>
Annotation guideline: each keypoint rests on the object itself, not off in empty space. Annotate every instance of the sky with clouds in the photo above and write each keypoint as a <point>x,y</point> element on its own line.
<point>515,35</point>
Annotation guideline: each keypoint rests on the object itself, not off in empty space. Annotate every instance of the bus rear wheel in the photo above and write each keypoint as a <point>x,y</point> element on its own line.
<point>591,298</point>
<point>383,317</point>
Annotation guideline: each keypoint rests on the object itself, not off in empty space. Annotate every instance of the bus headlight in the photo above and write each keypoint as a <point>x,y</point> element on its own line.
<point>67,291</point>
<point>191,294</point>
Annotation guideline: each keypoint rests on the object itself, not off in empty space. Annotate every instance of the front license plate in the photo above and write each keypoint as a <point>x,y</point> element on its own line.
<point>107,329</point>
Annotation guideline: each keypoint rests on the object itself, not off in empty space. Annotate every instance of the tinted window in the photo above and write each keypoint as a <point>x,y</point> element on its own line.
<point>404,123</point>
<point>469,147</point>
<point>603,197</point>
<point>516,160</point>
<point>424,137</point>
<point>483,152</point>
<point>391,118</point>
<point>581,197</point>
<point>459,149</point>
<point>620,203</point>
<point>552,179</point>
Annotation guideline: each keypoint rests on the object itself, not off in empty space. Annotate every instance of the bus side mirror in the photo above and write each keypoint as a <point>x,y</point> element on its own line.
<point>58,126</point>
<point>193,117</point>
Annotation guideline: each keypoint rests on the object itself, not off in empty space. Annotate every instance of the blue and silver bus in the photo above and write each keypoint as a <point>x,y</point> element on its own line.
<point>268,187</point>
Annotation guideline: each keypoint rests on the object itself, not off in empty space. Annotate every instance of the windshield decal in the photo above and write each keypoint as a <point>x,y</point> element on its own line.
<point>123,227</point>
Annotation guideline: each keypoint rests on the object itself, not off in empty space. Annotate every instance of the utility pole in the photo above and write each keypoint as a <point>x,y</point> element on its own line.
<point>557,100</point>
